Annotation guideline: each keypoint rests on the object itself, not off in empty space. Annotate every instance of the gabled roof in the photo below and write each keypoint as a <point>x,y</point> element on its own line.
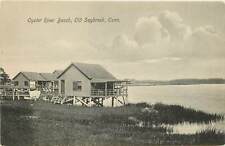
<point>32,76</point>
<point>49,76</point>
<point>91,71</point>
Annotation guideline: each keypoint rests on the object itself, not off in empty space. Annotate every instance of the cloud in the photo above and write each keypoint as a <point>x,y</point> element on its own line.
<point>205,42</point>
<point>124,42</point>
<point>123,48</point>
<point>166,36</point>
<point>160,38</point>
<point>174,24</point>
<point>149,30</point>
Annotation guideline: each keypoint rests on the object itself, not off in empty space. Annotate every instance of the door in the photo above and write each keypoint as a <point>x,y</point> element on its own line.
<point>62,86</point>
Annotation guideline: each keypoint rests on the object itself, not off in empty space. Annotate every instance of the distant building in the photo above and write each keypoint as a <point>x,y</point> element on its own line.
<point>46,82</point>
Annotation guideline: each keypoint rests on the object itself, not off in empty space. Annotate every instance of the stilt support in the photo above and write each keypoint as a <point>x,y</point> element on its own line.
<point>113,101</point>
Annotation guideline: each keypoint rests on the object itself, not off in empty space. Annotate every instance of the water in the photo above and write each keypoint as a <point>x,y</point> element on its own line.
<point>192,128</point>
<point>208,98</point>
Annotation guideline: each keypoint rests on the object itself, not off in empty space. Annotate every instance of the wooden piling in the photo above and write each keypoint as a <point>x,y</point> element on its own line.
<point>102,102</point>
<point>112,101</point>
<point>74,100</point>
<point>13,92</point>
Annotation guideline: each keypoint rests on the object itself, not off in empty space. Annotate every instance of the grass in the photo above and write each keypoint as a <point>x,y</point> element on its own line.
<point>211,135</point>
<point>28,123</point>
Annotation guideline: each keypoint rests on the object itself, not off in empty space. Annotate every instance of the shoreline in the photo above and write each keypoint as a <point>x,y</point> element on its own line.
<point>131,85</point>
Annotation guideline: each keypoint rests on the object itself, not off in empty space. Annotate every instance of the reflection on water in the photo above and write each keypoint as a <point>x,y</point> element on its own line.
<point>208,98</point>
<point>192,128</point>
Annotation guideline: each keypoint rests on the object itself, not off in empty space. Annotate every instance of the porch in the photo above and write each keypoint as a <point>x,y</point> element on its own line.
<point>109,89</point>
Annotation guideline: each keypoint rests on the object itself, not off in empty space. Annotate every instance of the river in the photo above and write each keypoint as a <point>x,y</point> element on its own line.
<point>206,97</point>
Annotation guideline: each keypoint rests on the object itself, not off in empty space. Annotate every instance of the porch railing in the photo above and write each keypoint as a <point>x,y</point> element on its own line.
<point>102,92</point>
<point>108,92</point>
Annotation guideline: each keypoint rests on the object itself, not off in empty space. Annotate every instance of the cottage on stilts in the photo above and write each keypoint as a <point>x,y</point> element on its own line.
<point>90,85</point>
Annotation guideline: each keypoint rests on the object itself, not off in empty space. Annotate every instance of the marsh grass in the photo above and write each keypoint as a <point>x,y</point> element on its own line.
<point>209,136</point>
<point>173,114</point>
<point>161,114</point>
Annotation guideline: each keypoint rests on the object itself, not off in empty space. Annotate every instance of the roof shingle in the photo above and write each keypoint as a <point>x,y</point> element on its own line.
<point>34,76</point>
<point>49,76</point>
<point>92,71</point>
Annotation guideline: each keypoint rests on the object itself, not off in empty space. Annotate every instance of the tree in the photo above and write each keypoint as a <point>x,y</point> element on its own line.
<point>4,77</point>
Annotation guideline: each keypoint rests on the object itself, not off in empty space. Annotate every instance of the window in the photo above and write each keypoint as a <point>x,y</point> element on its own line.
<point>16,83</point>
<point>56,84</point>
<point>77,86</point>
<point>26,83</point>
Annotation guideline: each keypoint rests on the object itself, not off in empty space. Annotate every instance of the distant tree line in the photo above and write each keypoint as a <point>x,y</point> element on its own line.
<point>179,82</point>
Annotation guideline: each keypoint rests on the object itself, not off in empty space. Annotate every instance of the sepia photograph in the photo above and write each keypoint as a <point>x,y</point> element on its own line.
<point>112,73</point>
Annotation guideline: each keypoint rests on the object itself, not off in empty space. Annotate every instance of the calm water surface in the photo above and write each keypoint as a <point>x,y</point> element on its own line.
<point>208,98</point>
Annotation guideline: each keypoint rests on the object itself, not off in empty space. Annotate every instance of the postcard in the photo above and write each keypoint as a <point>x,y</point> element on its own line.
<point>112,73</point>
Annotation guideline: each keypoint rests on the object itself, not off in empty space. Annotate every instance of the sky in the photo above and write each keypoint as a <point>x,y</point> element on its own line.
<point>152,40</point>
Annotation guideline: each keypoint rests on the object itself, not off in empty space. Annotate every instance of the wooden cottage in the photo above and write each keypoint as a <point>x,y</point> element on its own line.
<point>90,83</point>
<point>44,82</point>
